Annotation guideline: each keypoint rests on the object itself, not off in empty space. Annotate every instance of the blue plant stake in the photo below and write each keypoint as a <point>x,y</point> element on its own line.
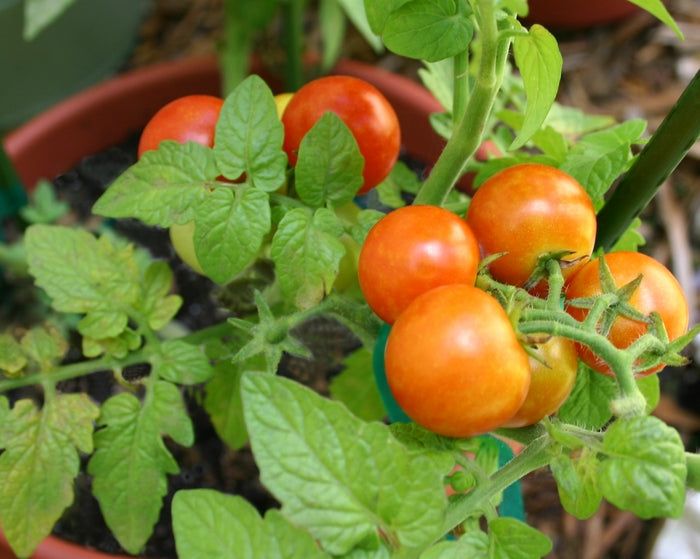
<point>512,505</point>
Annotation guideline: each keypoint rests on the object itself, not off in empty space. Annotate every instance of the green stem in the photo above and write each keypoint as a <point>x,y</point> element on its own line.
<point>293,17</point>
<point>535,455</point>
<point>234,55</point>
<point>461,86</point>
<point>693,462</point>
<point>358,317</point>
<point>466,137</point>
<point>665,150</point>
<point>75,370</point>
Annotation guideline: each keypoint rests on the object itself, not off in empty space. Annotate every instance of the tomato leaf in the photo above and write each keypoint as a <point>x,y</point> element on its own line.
<point>81,273</point>
<point>159,305</point>
<point>601,157</point>
<point>379,10</point>
<point>538,58</point>
<point>12,358</point>
<point>208,523</point>
<point>329,168</point>
<point>658,10</point>
<point>429,30</point>
<point>163,187</point>
<point>130,464</point>
<point>307,251</point>
<point>181,363</point>
<point>645,470</point>
<point>223,402</point>
<point>577,482</point>
<point>39,464</point>
<point>249,136</point>
<point>511,538</point>
<point>473,544</point>
<point>307,448</point>
<point>355,387</point>
<point>230,226</point>
<point>588,405</point>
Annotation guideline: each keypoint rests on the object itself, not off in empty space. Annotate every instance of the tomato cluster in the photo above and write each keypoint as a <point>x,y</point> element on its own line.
<point>453,359</point>
<point>362,107</point>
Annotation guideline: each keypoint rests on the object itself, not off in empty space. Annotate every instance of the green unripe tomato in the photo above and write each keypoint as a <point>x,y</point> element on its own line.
<point>182,238</point>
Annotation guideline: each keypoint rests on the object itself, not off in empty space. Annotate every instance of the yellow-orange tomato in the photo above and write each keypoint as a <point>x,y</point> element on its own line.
<point>454,364</point>
<point>412,250</point>
<point>527,211</point>
<point>182,238</point>
<point>553,378</point>
<point>281,101</point>
<point>659,291</point>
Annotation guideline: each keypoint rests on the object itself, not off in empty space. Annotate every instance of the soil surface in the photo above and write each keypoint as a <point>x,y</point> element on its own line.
<point>634,68</point>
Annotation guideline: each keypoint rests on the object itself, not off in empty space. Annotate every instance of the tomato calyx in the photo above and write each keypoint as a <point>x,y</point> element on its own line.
<point>541,271</point>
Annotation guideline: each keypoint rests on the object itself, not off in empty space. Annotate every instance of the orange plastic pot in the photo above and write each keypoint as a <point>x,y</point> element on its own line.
<point>107,114</point>
<point>577,15</point>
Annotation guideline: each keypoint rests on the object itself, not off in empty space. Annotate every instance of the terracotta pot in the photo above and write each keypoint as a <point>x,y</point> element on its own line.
<point>109,113</point>
<point>576,15</point>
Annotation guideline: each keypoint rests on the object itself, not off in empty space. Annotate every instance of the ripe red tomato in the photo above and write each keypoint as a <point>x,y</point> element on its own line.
<point>658,291</point>
<point>362,107</point>
<point>531,210</point>
<point>553,378</point>
<point>412,250</point>
<point>189,118</point>
<point>454,364</point>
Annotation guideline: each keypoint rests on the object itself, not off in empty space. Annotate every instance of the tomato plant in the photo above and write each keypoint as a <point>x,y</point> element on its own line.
<point>360,105</point>
<point>191,118</point>
<point>529,211</point>
<point>553,367</point>
<point>182,239</point>
<point>411,250</point>
<point>454,363</point>
<point>658,292</point>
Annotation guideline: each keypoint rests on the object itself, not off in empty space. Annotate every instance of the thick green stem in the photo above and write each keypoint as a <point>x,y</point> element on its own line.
<point>293,14</point>
<point>693,462</point>
<point>534,456</point>
<point>461,86</point>
<point>234,56</point>
<point>467,134</point>
<point>665,150</point>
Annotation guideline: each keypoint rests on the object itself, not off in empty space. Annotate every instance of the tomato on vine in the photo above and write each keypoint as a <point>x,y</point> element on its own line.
<point>454,363</point>
<point>553,371</point>
<point>529,211</point>
<point>412,250</point>
<point>189,118</point>
<point>659,292</point>
<point>362,107</point>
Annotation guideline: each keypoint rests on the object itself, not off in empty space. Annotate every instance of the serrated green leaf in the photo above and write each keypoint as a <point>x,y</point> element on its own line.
<point>79,272</point>
<point>249,136</point>
<point>429,30</point>
<point>130,464</point>
<point>45,207</point>
<point>344,480</point>
<point>163,187</point>
<point>631,239</point>
<point>159,305</point>
<point>171,412</point>
<point>39,464</point>
<point>119,347</point>
<point>510,538</point>
<point>182,363</point>
<point>329,168</point>
<point>12,358</point>
<point>588,405</point>
<point>223,403</point>
<point>356,388</point>
<point>599,158</point>
<point>230,226</point>
<point>103,324</point>
<point>650,387</point>
<point>306,250</point>
<point>645,470</point>
<point>474,544</point>
<point>577,482</point>
<point>538,58</point>
<point>44,344</point>
<point>209,524</point>
<point>378,12</point>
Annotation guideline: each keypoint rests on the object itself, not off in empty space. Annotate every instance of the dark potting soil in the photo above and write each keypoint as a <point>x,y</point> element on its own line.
<point>209,463</point>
